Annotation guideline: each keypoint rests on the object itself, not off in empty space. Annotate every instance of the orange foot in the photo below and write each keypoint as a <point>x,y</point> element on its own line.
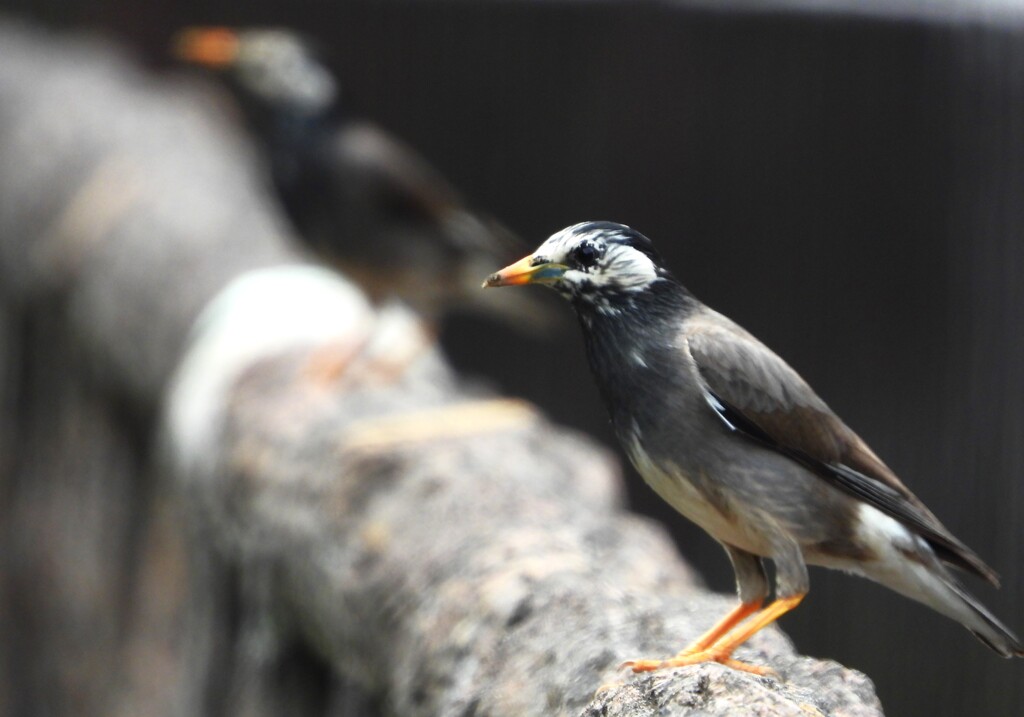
<point>684,659</point>
<point>717,644</point>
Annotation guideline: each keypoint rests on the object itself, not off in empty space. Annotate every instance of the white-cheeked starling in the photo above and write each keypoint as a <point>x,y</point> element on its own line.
<point>735,440</point>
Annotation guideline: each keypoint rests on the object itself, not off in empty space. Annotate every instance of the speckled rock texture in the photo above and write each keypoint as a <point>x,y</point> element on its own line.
<point>480,571</point>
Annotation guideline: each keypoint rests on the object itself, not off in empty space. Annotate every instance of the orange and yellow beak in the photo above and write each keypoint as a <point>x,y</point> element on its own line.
<point>529,270</point>
<point>214,47</point>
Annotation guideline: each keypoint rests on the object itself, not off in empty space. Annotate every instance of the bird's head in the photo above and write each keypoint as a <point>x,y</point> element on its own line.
<point>273,67</point>
<point>598,263</point>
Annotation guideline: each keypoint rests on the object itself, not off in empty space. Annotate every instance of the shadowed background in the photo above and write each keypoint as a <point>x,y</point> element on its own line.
<point>847,187</point>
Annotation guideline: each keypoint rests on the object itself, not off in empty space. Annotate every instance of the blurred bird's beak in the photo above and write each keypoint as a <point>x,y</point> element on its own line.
<point>529,270</point>
<point>215,47</point>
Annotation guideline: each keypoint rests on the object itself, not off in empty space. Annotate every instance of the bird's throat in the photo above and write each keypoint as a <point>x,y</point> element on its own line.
<point>631,348</point>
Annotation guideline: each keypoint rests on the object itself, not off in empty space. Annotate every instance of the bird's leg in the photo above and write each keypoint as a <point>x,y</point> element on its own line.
<point>721,649</point>
<point>736,637</point>
<point>738,614</point>
<point>752,586</point>
<point>702,643</point>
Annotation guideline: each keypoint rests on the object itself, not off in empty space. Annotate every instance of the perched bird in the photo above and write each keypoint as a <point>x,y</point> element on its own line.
<point>359,196</point>
<point>735,440</point>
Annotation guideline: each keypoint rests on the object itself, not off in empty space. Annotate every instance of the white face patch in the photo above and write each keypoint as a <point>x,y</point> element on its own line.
<point>616,265</point>
<point>276,67</point>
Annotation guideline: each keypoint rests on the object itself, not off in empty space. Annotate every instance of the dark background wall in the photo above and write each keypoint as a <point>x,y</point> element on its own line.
<point>848,187</point>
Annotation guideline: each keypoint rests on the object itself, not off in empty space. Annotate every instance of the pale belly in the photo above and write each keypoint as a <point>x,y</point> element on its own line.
<point>675,488</point>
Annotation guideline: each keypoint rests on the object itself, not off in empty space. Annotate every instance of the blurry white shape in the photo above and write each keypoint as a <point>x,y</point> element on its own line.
<point>258,315</point>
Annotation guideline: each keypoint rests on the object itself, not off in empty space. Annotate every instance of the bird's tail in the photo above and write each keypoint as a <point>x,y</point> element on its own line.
<point>919,574</point>
<point>984,625</point>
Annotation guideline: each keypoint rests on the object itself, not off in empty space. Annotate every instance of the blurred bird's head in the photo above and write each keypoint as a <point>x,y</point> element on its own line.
<point>592,263</point>
<point>276,68</point>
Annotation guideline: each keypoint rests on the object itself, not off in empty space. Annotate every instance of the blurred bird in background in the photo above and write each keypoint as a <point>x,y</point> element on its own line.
<point>735,440</point>
<point>365,201</point>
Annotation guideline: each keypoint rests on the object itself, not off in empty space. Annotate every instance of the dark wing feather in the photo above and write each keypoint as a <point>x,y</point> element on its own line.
<point>758,395</point>
<point>392,174</point>
<point>412,227</point>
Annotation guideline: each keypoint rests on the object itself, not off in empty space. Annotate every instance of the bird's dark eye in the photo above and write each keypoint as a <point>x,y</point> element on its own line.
<point>586,255</point>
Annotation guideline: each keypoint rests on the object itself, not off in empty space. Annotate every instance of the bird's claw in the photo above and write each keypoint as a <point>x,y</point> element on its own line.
<point>687,658</point>
<point>605,687</point>
<point>641,665</point>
